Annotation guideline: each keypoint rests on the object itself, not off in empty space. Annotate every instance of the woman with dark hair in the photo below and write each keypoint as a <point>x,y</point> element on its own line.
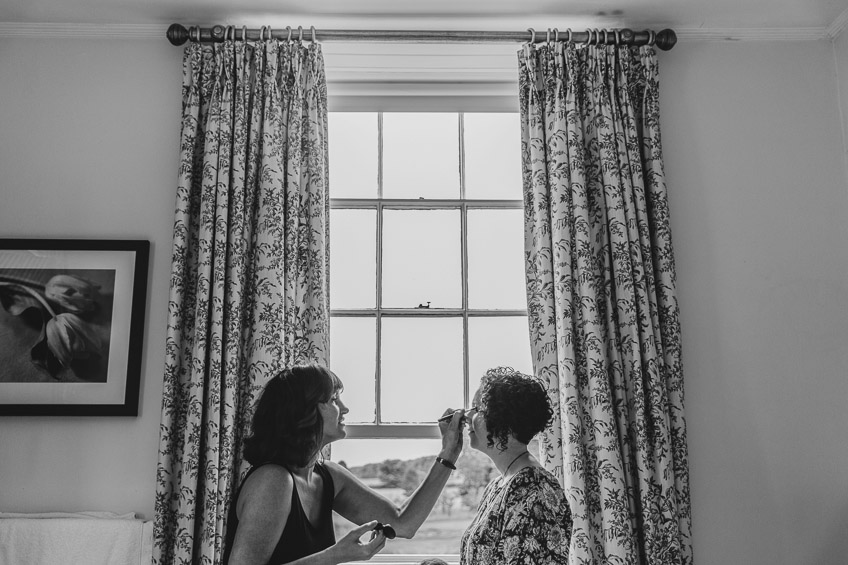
<point>523,517</point>
<point>282,512</point>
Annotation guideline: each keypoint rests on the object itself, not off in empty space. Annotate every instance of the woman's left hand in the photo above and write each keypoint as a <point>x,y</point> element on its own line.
<point>452,434</point>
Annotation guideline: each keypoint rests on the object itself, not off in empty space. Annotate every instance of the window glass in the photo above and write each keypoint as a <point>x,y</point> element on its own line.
<point>420,155</point>
<point>421,259</point>
<point>497,341</point>
<point>421,368</point>
<point>353,360</point>
<point>353,148</point>
<point>394,467</point>
<point>493,156</point>
<point>353,258</point>
<point>456,270</point>
<point>496,259</point>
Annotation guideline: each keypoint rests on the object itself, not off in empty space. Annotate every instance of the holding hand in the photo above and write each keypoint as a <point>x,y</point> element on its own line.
<point>350,548</point>
<point>450,424</point>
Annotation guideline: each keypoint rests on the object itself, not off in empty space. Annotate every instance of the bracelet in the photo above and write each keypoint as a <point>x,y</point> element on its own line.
<point>446,463</point>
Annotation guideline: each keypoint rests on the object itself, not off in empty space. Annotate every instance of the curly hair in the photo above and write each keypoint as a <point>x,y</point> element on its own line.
<point>514,405</point>
<point>287,427</point>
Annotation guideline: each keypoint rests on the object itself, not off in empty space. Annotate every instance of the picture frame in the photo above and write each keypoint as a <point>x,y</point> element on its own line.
<point>71,326</point>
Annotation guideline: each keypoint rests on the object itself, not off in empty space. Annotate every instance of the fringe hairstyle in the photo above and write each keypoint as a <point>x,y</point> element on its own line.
<point>287,427</point>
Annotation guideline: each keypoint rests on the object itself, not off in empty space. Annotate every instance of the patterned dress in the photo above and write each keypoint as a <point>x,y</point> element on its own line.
<point>523,521</point>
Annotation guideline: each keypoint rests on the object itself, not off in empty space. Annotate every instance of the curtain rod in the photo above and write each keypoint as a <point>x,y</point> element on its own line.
<point>665,39</point>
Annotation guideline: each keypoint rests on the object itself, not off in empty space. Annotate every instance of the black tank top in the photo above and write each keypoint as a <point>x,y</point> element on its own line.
<point>300,537</point>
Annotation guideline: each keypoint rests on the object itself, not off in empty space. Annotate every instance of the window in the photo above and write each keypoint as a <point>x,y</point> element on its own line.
<point>427,292</point>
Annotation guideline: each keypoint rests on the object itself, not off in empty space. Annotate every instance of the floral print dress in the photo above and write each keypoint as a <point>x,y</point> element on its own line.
<point>522,521</point>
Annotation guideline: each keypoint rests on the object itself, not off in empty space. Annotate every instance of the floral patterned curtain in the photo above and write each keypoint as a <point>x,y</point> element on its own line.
<point>602,301</point>
<point>249,285</point>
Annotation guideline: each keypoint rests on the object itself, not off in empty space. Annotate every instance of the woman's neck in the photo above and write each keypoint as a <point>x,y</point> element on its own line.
<point>306,471</point>
<point>511,459</point>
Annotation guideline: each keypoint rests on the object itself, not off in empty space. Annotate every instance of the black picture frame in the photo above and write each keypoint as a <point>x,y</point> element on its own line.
<point>71,326</point>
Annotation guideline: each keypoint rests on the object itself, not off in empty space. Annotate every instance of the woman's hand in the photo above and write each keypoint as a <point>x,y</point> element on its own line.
<point>350,548</point>
<point>452,434</point>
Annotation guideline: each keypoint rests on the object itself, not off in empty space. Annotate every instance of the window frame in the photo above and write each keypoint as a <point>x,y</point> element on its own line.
<point>424,430</point>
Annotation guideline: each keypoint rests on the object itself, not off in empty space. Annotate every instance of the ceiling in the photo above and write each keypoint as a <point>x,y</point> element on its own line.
<point>731,19</point>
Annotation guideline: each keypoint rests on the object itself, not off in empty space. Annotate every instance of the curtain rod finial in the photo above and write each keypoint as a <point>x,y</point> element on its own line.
<point>177,34</point>
<point>666,39</point>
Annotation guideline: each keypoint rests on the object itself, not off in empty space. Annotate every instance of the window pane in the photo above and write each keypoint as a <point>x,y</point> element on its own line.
<point>395,467</point>
<point>493,156</point>
<point>494,342</point>
<point>420,155</point>
<point>421,258</point>
<point>421,372</point>
<point>496,259</point>
<point>352,146</point>
<point>353,258</point>
<point>353,358</point>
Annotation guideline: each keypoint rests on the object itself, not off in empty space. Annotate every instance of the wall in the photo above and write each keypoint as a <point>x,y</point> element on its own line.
<point>758,197</point>
<point>840,51</point>
<point>88,149</point>
<point>754,156</point>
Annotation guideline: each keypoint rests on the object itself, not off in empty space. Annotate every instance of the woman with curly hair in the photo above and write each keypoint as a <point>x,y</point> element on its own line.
<point>523,517</point>
<point>282,512</point>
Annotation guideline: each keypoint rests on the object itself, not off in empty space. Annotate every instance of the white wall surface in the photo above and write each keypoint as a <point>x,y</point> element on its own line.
<point>753,153</point>
<point>759,202</point>
<point>89,135</point>
<point>840,51</point>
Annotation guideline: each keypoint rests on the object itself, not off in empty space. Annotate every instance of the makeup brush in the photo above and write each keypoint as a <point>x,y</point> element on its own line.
<point>448,417</point>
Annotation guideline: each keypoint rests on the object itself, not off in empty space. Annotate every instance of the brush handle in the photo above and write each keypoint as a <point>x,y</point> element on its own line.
<point>449,417</point>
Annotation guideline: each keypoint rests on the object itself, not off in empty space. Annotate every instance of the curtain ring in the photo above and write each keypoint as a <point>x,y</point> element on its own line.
<point>196,31</point>
<point>312,29</point>
<point>606,37</point>
<point>300,33</point>
<point>232,30</point>
<point>653,38</point>
<point>617,38</point>
<point>570,38</point>
<point>556,35</point>
<point>262,33</point>
<point>244,33</point>
<point>597,36</point>
<point>288,30</point>
<point>548,38</point>
<point>532,33</point>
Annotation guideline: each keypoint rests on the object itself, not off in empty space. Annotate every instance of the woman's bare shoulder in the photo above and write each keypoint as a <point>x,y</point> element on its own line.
<point>270,482</point>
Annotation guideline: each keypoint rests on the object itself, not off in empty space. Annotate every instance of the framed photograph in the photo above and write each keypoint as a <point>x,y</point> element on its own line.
<point>71,326</point>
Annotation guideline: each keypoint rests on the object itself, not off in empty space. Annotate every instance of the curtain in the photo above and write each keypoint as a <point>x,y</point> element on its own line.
<point>603,311</point>
<point>249,282</point>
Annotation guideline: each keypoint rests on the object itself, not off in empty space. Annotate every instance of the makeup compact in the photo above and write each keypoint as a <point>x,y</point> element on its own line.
<point>387,530</point>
